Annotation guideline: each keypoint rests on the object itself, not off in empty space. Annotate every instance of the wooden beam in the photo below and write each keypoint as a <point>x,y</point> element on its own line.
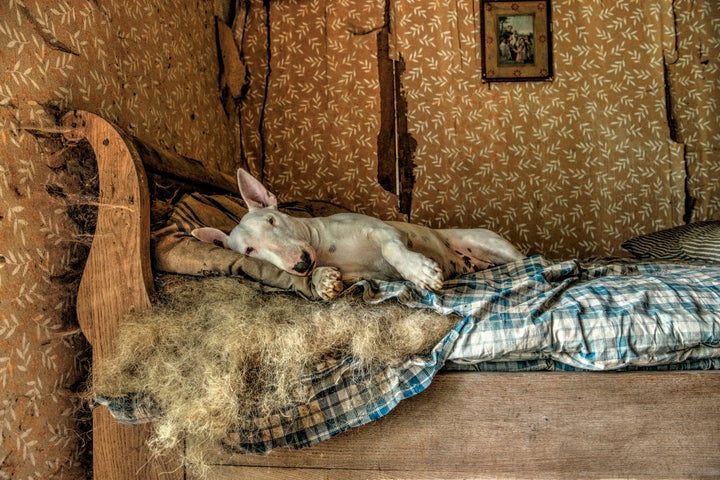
<point>187,170</point>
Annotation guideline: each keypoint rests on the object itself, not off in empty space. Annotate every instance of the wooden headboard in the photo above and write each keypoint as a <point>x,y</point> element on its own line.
<point>466,425</point>
<point>117,279</point>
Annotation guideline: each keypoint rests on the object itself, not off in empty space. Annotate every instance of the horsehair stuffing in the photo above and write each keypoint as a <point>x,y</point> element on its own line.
<point>214,355</point>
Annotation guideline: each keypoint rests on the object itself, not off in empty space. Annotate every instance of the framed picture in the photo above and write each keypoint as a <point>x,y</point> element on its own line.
<point>516,40</point>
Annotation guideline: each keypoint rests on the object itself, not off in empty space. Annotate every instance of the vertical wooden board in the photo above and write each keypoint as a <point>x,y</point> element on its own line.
<point>120,452</point>
<point>117,279</point>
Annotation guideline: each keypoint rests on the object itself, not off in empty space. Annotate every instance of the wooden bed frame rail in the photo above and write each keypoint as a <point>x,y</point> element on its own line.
<point>466,425</point>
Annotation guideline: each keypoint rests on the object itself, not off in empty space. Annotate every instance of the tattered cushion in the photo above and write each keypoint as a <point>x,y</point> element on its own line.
<point>216,357</point>
<point>696,242</point>
<point>176,251</point>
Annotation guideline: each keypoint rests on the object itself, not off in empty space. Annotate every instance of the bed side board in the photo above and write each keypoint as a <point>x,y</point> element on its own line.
<point>472,425</point>
<point>117,279</point>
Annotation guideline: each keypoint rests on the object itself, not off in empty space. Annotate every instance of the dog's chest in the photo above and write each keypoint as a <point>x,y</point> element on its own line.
<point>349,243</point>
<point>345,241</point>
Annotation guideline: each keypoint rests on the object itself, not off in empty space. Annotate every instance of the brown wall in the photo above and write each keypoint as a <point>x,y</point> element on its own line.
<point>571,167</point>
<point>152,68</point>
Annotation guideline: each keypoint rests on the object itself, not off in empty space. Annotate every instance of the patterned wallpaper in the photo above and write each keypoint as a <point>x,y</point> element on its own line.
<point>571,167</point>
<point>567,168</point>
<point>321,111</point>
<point>152,68</point>
<point>694,80</point>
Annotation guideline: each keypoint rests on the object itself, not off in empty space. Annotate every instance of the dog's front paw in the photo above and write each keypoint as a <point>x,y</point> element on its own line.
<point>327,282</point>
<point>427,275</point>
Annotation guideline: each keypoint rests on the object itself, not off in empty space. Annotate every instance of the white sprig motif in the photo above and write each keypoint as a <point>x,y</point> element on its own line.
<point>147,67</point>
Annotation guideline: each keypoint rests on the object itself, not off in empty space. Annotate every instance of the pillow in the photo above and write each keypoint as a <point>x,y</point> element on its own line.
<point>694,242</point>
<point>176,251</point>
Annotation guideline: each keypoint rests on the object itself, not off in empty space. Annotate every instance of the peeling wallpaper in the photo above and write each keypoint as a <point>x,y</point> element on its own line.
<point>150,67</point>
<point>567,168</point>
<point>694,81</point>
<point>321,111</point>
<point>570,167</point>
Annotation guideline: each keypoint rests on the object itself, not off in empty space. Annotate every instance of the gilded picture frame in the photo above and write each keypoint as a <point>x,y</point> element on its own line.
<point>516,39</point>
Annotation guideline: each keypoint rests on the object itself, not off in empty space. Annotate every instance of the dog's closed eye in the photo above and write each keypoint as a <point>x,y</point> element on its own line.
<point>271,220</point>
<point>249,250</point>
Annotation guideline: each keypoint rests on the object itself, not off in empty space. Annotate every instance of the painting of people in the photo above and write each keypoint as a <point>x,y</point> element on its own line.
<point>516,39</point>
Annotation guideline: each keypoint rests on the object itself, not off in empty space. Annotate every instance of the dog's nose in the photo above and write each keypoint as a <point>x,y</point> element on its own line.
<point>305,263</point>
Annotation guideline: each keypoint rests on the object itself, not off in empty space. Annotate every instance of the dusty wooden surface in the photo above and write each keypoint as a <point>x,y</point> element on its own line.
<point>117,279</point>
<point>533,425</point>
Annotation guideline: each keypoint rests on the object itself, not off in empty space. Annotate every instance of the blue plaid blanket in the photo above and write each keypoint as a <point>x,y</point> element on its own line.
<point>533,314</point>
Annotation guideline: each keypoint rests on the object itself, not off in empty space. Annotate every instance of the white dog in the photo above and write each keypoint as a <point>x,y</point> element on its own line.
<point>348,247</point>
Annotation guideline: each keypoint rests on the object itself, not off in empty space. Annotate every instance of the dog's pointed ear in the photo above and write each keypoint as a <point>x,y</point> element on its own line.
<point>211,235</point>
<point>253,192</point>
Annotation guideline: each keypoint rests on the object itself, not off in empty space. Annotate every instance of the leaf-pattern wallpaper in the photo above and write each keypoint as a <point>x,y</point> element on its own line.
<point>570,167</point>
<point>694,81</point>
<point>152,68</point>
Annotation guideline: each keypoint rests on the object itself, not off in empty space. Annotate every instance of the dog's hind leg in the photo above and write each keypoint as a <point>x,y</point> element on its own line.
<point>412,266</point>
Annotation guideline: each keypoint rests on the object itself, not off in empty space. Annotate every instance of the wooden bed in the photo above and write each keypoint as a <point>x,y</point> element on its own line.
<point>466,425</point>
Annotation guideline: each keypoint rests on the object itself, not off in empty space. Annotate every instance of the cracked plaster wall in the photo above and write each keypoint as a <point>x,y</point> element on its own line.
<point>150,67</point>
<point>567,168</point>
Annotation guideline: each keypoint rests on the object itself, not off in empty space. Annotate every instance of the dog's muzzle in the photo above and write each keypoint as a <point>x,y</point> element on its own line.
<point>305,265</point>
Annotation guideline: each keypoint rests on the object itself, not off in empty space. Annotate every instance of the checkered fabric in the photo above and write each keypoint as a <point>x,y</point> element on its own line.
<point>533,314</point>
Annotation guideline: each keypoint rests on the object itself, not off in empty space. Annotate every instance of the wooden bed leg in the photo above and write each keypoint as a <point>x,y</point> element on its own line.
<point>122,240</point>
